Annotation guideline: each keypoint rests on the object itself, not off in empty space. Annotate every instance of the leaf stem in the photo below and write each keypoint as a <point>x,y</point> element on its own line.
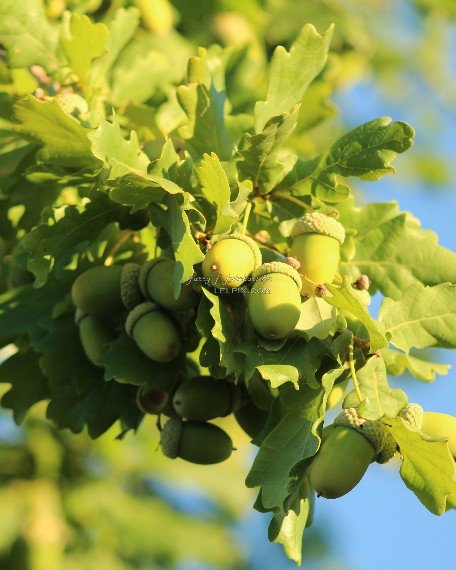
<point>353,373</point>
<point>245,220</point>
<point>294,200</point>
<point>121,239</point>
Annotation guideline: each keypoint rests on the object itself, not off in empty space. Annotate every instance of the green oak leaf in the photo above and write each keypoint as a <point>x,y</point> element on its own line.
<point>228,318</point>
<point>204,106</point>
<point>138,191</point>
<point>422,317</point>
<point>393,250</point>
<point>293,440</point>
<point>297,360</point>
<point>28,383</point>
<point>398,362</point>
<point>427,468</point>
<point>119,156</point>
<point>291,72</point>
<point>125,363</point>
<point>287,526</point>
<point>258,153</point>
<point>62,357</point>
<point>97,407</point>
<point>174,221</point>
<point>87,41</point>
<point>216,190</point>
<point>63,140</point>
<point>379,399</point>
<point>121,27</point>
<point>317,318</point>
<point>22,309</point>
<point>344,298</point>
<point>27,34</point>
<point>365,152</point>
<point>49,243</point>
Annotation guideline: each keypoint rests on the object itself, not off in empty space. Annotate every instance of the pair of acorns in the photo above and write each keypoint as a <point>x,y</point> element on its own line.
<point>104,292</point>
<point>274,301</point>
<point>351,444</point>
<point>187,433</point>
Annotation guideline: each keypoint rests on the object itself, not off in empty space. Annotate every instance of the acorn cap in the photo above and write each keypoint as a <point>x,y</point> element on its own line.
<point>79,315</point>
<point>388,451</point>
<point>170,437</point>
<point>413,414</point>
<point>316,223</point>
<point>144,273</point>
<point>278,267</point>
<point>138,312</point>
<point>251,243</point>
<point>130,292</point>
<point>373,431</point>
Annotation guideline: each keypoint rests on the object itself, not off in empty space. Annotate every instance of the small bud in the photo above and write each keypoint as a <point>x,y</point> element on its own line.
<point>293,261</point>
<point>321,291</point>
<point>262,236</point>
<point>363,283</point>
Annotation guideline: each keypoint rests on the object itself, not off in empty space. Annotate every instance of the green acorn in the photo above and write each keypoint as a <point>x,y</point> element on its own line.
<point>155,281</point>
<point>251,419</point>
<point>436,424</point>
<point>230,261</point>
<point>345,454</point>
<point>196,442</point>
<point>205,398</point>
<point>274,302</point>
<point>336,394</point>
<point>95,335</point>
<point>107,290</point>
<point>316,244</point>
<point>151,400</point>
<point>154,332</point>
<point>260,392</point>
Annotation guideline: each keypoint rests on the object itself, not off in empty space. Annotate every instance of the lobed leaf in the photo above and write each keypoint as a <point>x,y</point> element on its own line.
<point>291,73</point>
<point>427,468</point>
<point>422,317</point>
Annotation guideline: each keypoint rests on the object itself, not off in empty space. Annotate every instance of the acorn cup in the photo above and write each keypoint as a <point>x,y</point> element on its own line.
<point>316,244</point>
<point>274,303</point>
<point>96,336</point>
<point>345,454</point>
<point>205,398</point>
<point>196,442</point>
<point>230,261</point>
<point>154,333</point>
<point>155,281</point>
<point>251,419</point>
<point>106,290</point>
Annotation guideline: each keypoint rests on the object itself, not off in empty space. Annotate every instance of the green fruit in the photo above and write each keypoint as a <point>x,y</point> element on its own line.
<point>106,290</point>
<point>154,332</point>
<point>95,335</point>
<point>251,419</point>
<point>156,283</point>
<point>340,463</point>
<point>316,245</point>
<point>230,261</point>
<point>274,302</point>
<point>205,398</point>
<point>196,442</point>
<point>157,15</point>
<point>336,394</point>
<point>151,400</point>
<point>436,424</point>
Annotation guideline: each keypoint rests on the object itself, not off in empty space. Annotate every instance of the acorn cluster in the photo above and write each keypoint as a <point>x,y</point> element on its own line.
<point>141,300</point>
